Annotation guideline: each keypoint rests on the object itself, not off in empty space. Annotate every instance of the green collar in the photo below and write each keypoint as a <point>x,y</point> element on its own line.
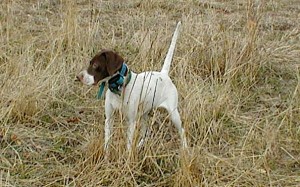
<point>115,91</point>
<point>127,80</point>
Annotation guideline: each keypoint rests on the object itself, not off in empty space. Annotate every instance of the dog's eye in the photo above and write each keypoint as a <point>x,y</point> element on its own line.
<point>94,65</point>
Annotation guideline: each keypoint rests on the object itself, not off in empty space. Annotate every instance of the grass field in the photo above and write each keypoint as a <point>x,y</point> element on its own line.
<point>236,68</point>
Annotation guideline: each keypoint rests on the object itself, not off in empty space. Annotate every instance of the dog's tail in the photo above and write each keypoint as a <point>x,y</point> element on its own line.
<point>168,59</point>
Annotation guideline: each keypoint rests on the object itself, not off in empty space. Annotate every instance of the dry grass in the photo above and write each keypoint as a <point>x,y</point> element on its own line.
<point>236,68</point>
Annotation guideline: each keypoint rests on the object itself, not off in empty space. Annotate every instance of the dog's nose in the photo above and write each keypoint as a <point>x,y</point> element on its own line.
<point>78,78</point>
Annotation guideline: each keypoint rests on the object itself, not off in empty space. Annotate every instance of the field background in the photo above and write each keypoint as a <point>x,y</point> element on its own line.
<point>236,68</point>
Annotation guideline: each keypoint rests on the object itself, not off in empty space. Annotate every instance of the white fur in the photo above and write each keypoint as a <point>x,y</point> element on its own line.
<point>169,57</point>
<point>145,91</point>
<point>86,78</point>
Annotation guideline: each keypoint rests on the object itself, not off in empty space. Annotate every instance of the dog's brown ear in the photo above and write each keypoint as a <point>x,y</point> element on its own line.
<point>113,62</point>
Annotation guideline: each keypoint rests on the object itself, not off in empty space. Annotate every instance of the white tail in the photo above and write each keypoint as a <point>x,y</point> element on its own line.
<point>169,57</point>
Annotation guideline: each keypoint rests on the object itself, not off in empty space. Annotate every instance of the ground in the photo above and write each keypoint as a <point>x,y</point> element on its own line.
<point>236,67</point>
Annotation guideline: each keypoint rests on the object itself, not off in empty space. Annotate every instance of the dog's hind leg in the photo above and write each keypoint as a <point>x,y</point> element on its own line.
<point>175,118</point>
<point>171,106</point>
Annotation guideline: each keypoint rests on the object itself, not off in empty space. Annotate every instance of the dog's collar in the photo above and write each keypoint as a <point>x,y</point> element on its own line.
<point>117,81</point>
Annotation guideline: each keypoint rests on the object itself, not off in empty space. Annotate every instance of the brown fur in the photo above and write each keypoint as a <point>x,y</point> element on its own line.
<point>104,64</point>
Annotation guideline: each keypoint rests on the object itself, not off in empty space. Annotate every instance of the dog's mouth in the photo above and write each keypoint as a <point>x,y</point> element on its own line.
<point>85,78</point>
<point>90,80</point>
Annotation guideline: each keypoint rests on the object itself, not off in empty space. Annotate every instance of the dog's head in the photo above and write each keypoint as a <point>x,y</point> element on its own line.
<point>104,64</point>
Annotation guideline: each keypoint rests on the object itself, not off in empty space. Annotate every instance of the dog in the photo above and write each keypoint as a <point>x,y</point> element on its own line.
<point>127,90</point>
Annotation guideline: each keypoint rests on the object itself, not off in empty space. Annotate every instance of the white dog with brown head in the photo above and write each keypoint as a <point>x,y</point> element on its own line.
<point>127,90</point>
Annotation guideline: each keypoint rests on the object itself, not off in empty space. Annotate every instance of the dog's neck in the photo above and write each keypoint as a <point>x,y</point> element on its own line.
<point>121,79</point>
<point>117,82</point>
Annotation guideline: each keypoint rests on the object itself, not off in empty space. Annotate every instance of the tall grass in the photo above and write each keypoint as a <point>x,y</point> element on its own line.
<point>236,68</point>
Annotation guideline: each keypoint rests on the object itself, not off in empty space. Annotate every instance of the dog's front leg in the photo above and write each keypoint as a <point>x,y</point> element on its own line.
<point>108,126</point>
<point>131,112</point>
<point>144,128</point>
<point>130,133</point>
